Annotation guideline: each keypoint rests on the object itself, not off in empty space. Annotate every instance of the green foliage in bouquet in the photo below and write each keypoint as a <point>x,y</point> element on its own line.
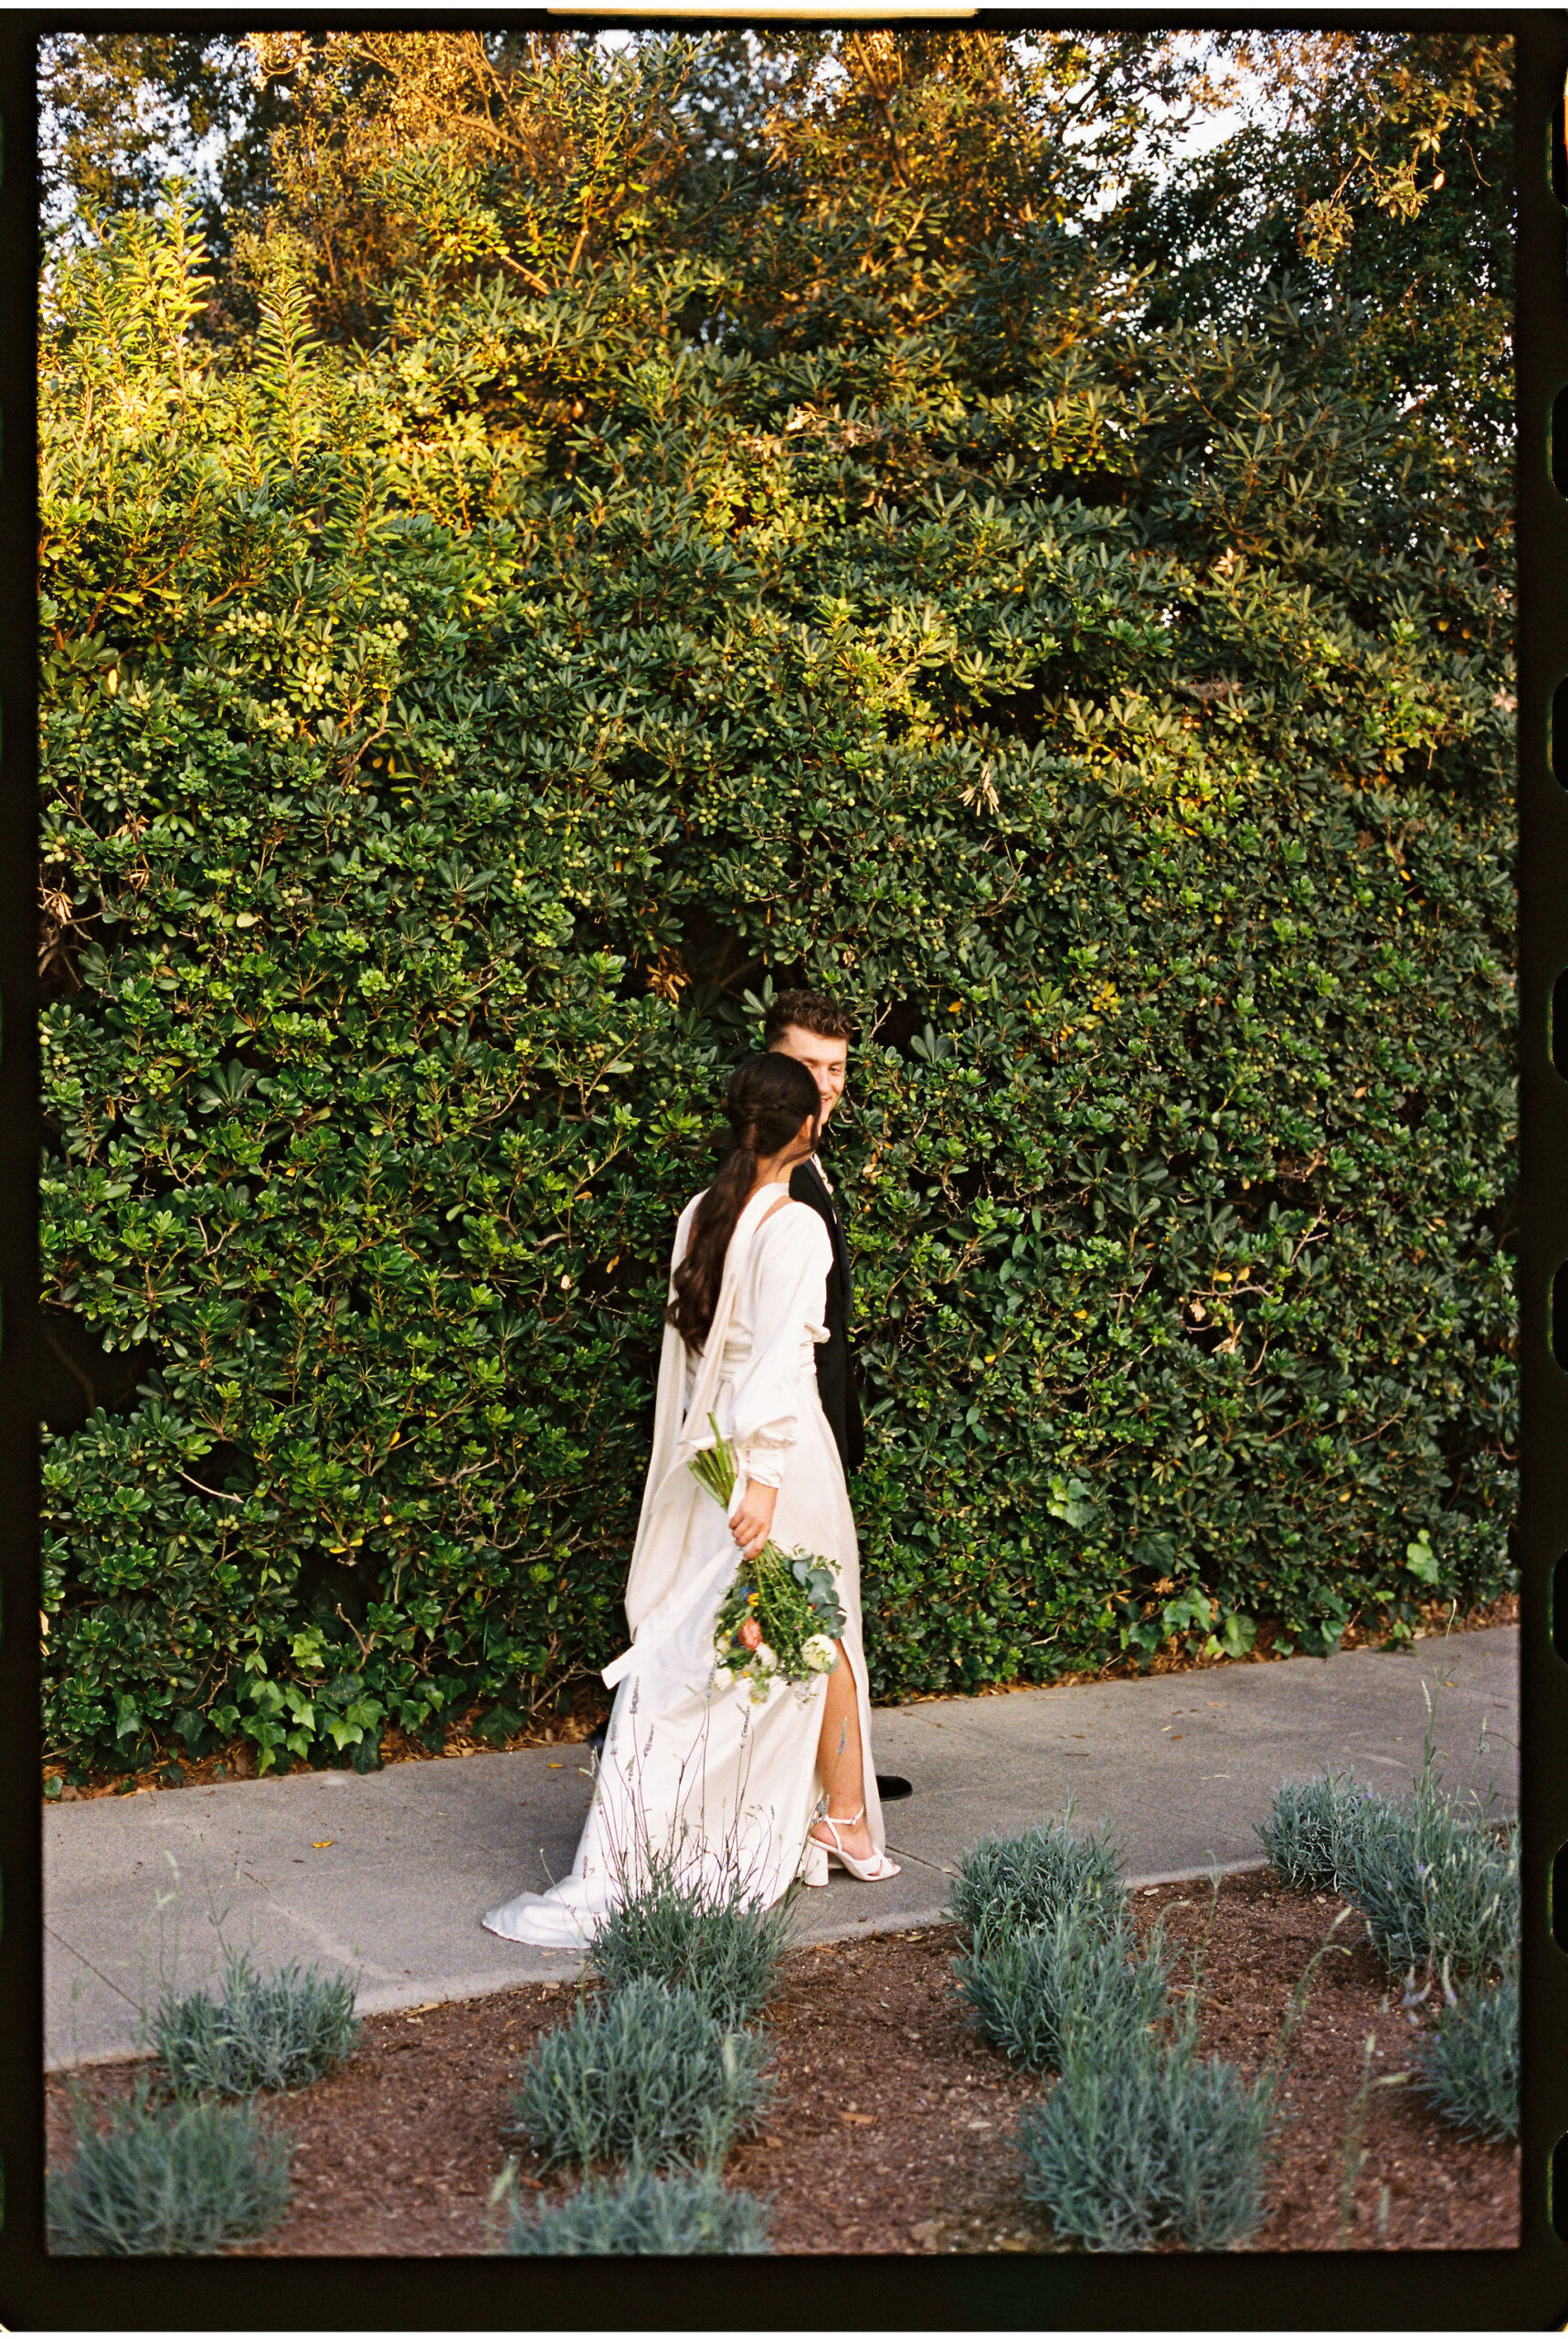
<point>781,1618</point>
<point>778,1624</point>
<point>634,532</point>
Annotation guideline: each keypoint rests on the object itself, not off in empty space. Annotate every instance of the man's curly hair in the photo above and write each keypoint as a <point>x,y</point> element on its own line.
<point>808,1011</point>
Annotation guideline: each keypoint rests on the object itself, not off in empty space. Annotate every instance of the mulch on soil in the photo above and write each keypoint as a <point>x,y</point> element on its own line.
<point>890,2129</point>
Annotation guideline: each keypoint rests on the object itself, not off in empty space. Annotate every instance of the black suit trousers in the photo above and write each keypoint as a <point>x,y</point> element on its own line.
<point>836,1366</point>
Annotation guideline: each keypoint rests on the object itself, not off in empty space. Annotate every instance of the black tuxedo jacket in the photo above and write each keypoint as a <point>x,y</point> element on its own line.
<point>836,1366</point>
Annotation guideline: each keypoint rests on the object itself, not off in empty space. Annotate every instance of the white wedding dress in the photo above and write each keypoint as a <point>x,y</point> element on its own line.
<point>726,1788</point>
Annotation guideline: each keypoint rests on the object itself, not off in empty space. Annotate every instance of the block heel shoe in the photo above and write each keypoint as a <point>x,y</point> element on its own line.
<point>875,1870</point>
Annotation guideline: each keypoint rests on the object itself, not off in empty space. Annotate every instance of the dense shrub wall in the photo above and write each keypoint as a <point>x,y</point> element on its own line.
<point>432,794</point>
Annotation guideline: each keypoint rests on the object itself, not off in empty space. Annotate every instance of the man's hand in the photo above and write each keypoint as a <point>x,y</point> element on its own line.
<point>752,1524</point>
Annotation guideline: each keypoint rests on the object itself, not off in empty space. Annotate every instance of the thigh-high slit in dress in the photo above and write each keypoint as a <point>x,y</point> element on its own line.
<point>705,1779</point>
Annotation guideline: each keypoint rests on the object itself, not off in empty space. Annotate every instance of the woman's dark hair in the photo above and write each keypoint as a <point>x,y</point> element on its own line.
<point>767,1099</point>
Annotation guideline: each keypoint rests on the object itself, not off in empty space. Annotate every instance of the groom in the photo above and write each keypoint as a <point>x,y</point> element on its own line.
<point>816,1031</point>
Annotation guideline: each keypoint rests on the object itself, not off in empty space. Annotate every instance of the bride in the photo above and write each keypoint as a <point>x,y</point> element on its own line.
<point>692,1775</point>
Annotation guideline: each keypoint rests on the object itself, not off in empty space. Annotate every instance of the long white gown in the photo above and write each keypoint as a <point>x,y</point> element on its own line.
<point>726,1788</point>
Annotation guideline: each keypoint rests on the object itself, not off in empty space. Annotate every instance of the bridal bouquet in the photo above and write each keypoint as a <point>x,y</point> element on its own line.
<point>780,1617</point>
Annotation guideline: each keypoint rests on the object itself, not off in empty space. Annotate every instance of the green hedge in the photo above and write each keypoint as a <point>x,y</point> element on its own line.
<point>430,806</point>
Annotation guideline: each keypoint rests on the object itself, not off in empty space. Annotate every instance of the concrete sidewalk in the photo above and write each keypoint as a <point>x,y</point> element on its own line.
<point>395,1868</point>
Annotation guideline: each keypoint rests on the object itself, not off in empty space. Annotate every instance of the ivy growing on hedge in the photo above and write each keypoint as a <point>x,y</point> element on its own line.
<point>437,778</point>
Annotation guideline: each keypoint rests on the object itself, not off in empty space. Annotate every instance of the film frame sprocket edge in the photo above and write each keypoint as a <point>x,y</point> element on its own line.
<point>1523,2289</point>
<point>1540,359</point>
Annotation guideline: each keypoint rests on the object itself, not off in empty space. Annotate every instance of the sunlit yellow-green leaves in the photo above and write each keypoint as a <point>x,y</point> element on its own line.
<point>1065,711</point>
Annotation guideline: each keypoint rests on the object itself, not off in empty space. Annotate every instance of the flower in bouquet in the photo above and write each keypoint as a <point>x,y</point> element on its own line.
<point>781,1619</point>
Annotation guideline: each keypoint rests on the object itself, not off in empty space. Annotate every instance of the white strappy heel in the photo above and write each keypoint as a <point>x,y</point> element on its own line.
<point>875,1870</point>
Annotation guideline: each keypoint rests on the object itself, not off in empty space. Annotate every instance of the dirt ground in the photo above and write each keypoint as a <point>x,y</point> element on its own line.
<point>891,2126</point>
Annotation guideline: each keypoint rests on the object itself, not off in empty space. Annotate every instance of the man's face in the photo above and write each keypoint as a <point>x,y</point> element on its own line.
<point>824,1059</point>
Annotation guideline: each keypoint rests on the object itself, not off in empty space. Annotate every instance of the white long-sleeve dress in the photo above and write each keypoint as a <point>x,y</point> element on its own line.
<point>727,1787</point>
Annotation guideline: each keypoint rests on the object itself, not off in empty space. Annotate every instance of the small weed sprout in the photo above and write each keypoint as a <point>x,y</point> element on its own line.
<point>1295,2011</point>
<point>686,2214</point>
<point>265,2030</point>
<point>167,2181</point>
<point>1353,2159</point>
<point>644,2074</point>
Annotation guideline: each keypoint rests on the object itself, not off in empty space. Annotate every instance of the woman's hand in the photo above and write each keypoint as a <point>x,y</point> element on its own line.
<point>752,1524</point>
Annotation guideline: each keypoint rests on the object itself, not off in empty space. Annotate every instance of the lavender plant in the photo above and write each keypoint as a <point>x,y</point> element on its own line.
<point>1032,1992</point>
<point>1470,2066</point>
<point>645,2073</point>
<point>685,2214</point>
<point>260,2030</point>
<point>1006,1884</point>
<point>711,1937</point>
<point>167,2180</point>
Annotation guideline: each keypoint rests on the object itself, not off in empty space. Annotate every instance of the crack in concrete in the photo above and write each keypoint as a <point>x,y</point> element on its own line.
<point>73,1952</point>
<point>330,1941</point>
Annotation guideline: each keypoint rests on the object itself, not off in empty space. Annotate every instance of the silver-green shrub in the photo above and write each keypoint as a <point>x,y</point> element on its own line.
<point>1140,2142</point>
<point>711,1939</point>
<point>643,2073</point>
<point>1031,1993</point>
<point>1470,2065</point>
<point>1435,1884</point>
<point>1006,1884</point>
<point>264,2030</point>
<point>686,2214</point>
<point>167,2181</point>
<point>1312,1822</point>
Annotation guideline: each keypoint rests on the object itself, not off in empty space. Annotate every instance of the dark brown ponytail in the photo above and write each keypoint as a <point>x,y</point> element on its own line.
<point>767,1099</point>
